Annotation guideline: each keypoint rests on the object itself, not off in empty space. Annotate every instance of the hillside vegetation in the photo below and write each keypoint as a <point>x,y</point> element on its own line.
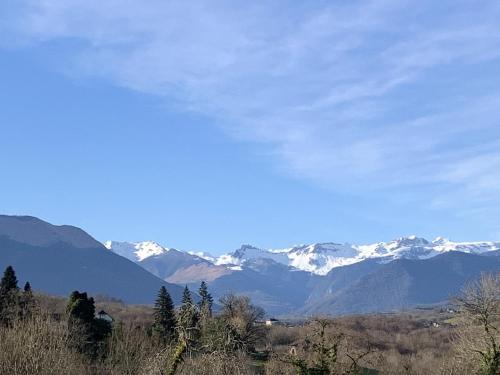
<point>49,335</point>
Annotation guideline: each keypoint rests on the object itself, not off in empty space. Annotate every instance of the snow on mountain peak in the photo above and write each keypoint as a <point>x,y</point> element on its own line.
<point>136,251</point>
<point>246,252</point>
<point>203,255</point>
<point>440,241</point>
<point>321,258</point>
<point>318,258</point>
<point>409,241</point>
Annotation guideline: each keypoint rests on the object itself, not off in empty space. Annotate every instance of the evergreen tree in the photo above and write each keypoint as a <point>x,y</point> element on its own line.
<point>164,315</point>
<point>186,296</point>
<point>80,308</point>
<point>188,318</point>
<point>9,280</point>
<point>87,333</point>
<point>9,296</point>
<point>27,301</point>
<point>27,288</point>
<point>206,301</point>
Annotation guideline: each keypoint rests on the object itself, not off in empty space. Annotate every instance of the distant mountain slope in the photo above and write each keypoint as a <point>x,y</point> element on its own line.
<point>494,253</point>
<point>274,286</point>
<point>340,278</point>
<point>400,284</point>
<point>199,272</point>
<point>161,261</point>
<point>277,288</point>
<point>60,259</point>
<point>33,231</point>
<point>360,278</point>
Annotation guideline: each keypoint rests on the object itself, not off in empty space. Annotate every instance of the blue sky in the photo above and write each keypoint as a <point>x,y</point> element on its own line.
<point>206,125</point>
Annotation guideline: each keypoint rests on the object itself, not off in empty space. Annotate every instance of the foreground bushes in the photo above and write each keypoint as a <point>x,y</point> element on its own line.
<point>39,345</point>
<point>39,336</point>
<point>44,337</point>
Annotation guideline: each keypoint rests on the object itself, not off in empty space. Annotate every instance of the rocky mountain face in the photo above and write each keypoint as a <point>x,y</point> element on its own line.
<point>60,259</point>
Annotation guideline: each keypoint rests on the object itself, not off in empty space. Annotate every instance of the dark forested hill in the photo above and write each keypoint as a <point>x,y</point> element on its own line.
<point>60,259</point>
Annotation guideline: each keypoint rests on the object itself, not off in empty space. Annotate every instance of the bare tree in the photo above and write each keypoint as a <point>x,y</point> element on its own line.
<point>479,336</point>
<point>326,352</point>
<point>242,316</point>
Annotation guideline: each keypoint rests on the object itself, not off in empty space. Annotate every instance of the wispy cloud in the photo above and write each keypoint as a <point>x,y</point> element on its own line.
<point>350,95</point>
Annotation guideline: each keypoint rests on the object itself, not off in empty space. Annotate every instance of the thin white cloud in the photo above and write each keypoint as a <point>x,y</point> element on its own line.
<point>351,95</point>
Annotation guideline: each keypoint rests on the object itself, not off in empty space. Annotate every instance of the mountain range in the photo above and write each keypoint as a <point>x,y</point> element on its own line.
<point>318,258</point>
<point>322,278</point>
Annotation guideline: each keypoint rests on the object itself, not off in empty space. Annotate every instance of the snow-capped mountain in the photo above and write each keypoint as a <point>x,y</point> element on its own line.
<point>318,258</point>
<point>162,261</point>
<point>203,255</point>
<point>299,278</point>
<point>136,251</point>
<point>321,258</point>
<point>414,247</point>
<point>247,252</point>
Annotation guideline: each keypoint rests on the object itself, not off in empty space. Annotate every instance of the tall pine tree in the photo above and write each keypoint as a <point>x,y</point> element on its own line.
<point>164,314</point>
<point>27,302</point>
<point>188,318</point>
<point>206,301</point>
<point>9,280</point>
<point>186,296</point>
<point>27,288</point>
<point>9,296</point>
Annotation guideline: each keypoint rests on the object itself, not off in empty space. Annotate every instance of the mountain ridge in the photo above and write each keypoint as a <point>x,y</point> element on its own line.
<point>327,277</point>
<point>321,258</point>
<point>60,259</point>
<point>34,231</point>
<point>400,284</point>
<point>322,278</point>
